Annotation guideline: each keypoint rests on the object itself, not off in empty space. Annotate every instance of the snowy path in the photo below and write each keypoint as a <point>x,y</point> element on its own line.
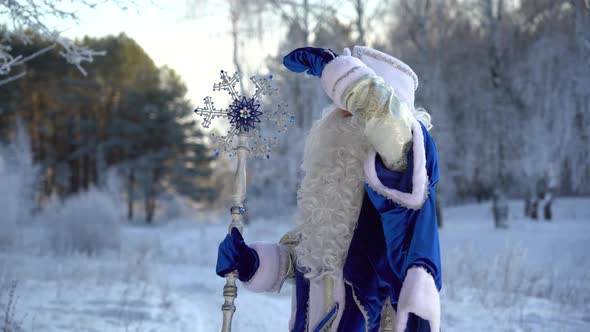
<point>531,277</point>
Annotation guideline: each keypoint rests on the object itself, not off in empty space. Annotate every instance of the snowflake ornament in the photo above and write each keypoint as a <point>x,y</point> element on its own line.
<point>246,115</point>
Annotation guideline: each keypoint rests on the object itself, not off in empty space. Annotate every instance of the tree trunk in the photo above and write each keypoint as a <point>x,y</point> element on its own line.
<point>439,217</point>
<point>150,209</point>
<point>151,197</point>
<point>235,9</point>
<point>130,193</point>
<point>547,210</point>
<point>359,6</point>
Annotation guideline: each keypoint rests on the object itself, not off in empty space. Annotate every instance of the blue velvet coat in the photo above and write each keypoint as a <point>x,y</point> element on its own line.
<point>388,240</point>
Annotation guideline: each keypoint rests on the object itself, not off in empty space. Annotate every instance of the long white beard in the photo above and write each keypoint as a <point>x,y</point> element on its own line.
<point>331,193</point>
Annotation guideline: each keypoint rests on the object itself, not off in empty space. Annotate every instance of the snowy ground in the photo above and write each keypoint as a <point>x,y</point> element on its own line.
<point>531,277</point>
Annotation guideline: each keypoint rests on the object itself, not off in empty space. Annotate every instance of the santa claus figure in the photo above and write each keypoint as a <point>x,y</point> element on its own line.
<point>364,255</point>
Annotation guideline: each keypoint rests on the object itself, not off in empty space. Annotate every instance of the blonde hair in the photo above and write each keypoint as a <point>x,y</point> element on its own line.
<point>421,115</point>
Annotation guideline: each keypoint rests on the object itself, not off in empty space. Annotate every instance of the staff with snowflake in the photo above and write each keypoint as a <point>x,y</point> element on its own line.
<point>245,115</point>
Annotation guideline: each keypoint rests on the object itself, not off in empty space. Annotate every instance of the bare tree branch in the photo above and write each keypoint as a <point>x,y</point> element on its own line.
<point>12,78</point>
<point>34,55</point>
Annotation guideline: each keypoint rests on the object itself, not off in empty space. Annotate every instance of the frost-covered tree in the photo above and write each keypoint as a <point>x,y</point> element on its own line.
<point>19,177</point>
<point>174,156</point>
<point>27,18</point>
<point>241,18</point>
<point>504,80</point>
<point>277,179</point>
<point>126,113</point>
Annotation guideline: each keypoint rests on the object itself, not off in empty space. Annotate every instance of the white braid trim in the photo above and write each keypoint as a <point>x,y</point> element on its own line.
<point>359,305</point>
<point>340,298</point>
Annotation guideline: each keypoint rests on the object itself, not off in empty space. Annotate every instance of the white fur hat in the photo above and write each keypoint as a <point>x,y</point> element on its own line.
<point>394,72</point>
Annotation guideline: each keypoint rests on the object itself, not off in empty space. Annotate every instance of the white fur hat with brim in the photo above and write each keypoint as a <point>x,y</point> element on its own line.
<point>394,72</point>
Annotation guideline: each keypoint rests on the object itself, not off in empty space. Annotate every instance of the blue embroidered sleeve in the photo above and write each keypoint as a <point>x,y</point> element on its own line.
<point>423,246</point>
<point>411,235</point>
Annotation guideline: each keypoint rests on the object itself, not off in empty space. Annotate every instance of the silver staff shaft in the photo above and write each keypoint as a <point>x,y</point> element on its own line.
<point>230,290</point>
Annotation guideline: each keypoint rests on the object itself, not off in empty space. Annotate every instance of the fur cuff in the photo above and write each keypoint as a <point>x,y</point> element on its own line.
<point>419,296</point>
<point>271,271</point>
<point>340,74</point>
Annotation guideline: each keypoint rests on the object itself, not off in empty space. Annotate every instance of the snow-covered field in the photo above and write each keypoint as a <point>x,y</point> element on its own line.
<point>530,277</point>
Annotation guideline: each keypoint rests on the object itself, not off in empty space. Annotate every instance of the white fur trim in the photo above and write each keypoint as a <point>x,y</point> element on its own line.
<point>395,72</point>
<point>419,296</point>
<point>417,197</point>
<point>271,272</point>
<point>293,308</point>
<point>317,302</point>
<point>340,74</point>
<point>340,298</point>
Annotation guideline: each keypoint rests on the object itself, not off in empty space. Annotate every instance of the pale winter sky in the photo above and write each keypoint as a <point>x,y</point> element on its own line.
<point>196,48</point>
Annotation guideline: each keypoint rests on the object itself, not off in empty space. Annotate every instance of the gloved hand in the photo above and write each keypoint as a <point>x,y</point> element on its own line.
<point>337,73</point>
<point>420,297</point>
<point>234,254</point>
<point>310,59</point>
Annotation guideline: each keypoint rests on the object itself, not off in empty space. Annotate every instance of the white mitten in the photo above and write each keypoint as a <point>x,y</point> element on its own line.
<point>419,296</point>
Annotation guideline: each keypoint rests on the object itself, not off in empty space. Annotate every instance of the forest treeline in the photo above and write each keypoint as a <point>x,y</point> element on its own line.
<point>127,114</point>
<point>507,84</point>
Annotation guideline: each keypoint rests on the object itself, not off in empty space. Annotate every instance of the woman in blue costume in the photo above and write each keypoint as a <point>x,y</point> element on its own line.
<point>364,255</point>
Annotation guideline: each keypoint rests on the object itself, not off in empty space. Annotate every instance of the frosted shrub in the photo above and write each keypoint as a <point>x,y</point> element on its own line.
<point>505,279</point>
<point>8,206</point>
<point>88,223</point>
<point>18,183</point>
<point>8,303</point>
